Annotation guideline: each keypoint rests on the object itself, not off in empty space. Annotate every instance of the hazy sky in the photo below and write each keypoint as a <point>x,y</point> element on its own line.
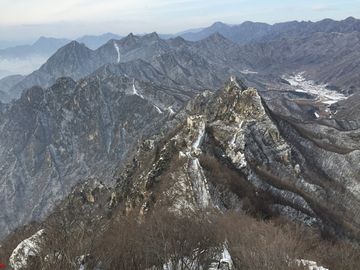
<point>30,19</point>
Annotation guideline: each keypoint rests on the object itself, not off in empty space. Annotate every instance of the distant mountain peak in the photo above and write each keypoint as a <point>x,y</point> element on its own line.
<point>76,45</point>
<point>247,22</point>
<point>130,37</point>
<point>217,34</point>
<point>178,38</point>
<point>151,36</point>
<point>350,19</point>
<point>218,24</point>
<point>177,41</point>
<point>50,41</point>
<point>216,37</point>
<point>74,42</point>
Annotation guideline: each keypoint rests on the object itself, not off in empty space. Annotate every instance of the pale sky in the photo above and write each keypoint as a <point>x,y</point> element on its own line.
<point>30,19</point>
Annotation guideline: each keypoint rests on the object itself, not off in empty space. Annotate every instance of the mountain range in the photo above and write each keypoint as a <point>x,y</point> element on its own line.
<point>141,124</point>
<point>335,55</point>
<point>250,32</point>
<point>25,59</point>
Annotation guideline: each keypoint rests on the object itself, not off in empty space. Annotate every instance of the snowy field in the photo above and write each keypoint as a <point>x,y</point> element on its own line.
<point>324,95</point>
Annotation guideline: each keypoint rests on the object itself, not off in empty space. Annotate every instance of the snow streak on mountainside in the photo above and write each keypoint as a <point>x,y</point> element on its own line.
<point>118,52</point>
<point>135,92</point>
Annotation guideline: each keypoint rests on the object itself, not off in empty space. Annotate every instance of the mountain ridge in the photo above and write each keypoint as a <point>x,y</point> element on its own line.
<point>250,32</point>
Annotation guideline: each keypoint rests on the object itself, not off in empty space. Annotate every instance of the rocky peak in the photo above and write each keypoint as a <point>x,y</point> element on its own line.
<point>217,25</point>
<point>233,102</point>
<point>235,82</point>
<point>152,36</point>
<point>232,118</point>
<point>217,37</point>
<point>68,59</point>
<point>129,41</point>
<point>176,42</point>
<point>74,45</point>
<point>154,40</point>
<point>350,20</point>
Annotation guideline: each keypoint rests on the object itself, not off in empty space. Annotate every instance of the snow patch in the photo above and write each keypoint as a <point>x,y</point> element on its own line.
<point>330,102</point>
<point>246,71</point>
<point>199,138</point>
<point>196,180</point>
<point>311,265</point>
<point>225,254</point>
<point>135,92</point>
<point>171,110</point>
<point>233,150</point>
<point>157,108</point>
<point>233,79</point>
<point>197,125</point>
<point>28,247</point>
<point>199,184</point>
<point>118,52</point>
